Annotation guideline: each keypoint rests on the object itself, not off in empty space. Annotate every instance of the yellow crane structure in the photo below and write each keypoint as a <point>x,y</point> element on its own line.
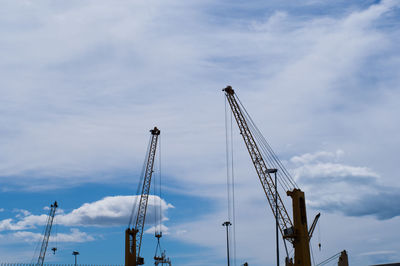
<point>133,236</point>
<point>295,231</point>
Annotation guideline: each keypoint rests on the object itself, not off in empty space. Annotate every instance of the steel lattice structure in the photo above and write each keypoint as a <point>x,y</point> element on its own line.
<point>144,197</point>
<point>262,170</point>
<point>46,236</point>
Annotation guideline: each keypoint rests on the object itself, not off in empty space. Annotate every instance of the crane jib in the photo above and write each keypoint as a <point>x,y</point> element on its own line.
<point>134,236</point>
<point>46,236</point>
<point>259,164</point>
<point>297,231</point>
<point>141,217</point>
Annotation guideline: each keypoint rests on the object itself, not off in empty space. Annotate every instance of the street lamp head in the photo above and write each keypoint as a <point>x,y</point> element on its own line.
<point>227,223</point>
<point>75,253</point>
<point>272,171</point>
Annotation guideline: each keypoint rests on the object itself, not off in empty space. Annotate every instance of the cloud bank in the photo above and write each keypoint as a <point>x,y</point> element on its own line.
<point>75,235</point>
<point>109,211</point>
<point>83,82</point>
<point>352,190</point>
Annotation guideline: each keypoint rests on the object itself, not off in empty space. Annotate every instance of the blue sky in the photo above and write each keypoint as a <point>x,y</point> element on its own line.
<point>84,81</point>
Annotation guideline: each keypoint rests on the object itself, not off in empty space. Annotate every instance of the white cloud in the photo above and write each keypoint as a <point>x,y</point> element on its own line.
<point>82,84</point>
<point>365,17</point>
<point>379,252</point>
<point>6,224</point>
<point>109,211</point>
<point>321,170</point>
<point>22,212</point>
<point>154,229</point>
<point>103,118</point>
<point>312,157</point>
<point>25,222</point>
<point>75,236</point>
<point>353,190</point>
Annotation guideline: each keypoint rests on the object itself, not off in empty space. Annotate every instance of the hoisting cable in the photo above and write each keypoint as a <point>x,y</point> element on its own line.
<point>155,204</point>
<point>55,237</point>
<point>140,184</point>
<point>312,255</point>
<point>230,179</point>
<point>274,160</point>
<point>267,156</point>
<point>336,256</point>
<point>282,181</point>
<point>158,249</point>
<point>284,178</point>
<point>286,249</point>
<point>157,194</point>
<point>158,208</point>
<point>260,141</point>
<point>156,197</point>
<point>319,235</point>
<point>290,254</point>
<point>263,142</point>
<point>227,162</point>
<point>34,257</point>
<point>233,195</point>
<point>267,150</point>
<point>159,186</point>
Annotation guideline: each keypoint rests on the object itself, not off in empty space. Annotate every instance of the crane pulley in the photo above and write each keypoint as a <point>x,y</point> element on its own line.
<point>133,236</point>
<point>46,235</point>
<point>295,231</point>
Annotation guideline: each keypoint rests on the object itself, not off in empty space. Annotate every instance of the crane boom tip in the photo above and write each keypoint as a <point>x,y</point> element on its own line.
<point>229,90</point>
<point>155,131</point>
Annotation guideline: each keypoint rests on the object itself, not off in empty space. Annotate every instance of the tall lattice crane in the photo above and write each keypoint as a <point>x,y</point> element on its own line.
<point>296,231</point>
<point>46,236</point>
<point>133,236</point>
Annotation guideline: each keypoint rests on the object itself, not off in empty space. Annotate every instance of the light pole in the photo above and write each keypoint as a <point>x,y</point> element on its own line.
<point>273,171</point>
<point>75,253</point>
<point>227,223</point>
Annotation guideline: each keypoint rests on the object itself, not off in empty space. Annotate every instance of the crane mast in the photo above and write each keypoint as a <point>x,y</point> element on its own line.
<point>46,236</point>
<point>295,232</point>
<point>133,236</point>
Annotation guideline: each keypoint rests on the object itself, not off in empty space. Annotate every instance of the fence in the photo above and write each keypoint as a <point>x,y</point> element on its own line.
<point>55,264</point>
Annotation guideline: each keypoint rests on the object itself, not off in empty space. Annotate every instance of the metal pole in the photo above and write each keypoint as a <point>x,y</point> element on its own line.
<point>273,171</point>
<point>227,223</point>
<point>75,253</point>
<point>276,219</point>
<point>227,244</point>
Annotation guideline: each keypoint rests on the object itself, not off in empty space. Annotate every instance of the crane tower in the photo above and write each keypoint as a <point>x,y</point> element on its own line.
<point>133,236</point>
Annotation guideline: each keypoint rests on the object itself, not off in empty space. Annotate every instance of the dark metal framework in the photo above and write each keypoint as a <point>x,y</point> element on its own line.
<point>144,197</point>
<point>262,170</point>
<point>46,236</point>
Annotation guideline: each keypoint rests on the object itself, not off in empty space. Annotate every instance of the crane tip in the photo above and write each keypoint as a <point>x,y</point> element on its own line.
<point>155,131</point>
<point>229,90</point>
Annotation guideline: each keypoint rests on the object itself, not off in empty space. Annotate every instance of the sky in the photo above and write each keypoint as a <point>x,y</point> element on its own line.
<point>83,82</point>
